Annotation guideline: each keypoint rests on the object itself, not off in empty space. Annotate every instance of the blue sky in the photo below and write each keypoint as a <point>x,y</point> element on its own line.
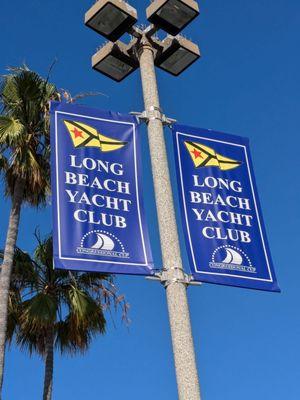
<point>247,83</point>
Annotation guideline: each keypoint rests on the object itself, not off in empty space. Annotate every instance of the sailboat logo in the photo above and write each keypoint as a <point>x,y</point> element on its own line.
<point>231,258</point>
<point>102,243</point>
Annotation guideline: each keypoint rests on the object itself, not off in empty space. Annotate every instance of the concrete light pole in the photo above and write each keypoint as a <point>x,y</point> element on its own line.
<point>111,19</point>
<point>173,275</point>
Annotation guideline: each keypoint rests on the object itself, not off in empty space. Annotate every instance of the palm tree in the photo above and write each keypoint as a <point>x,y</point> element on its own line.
<point>24,149</point>
<point>51,309</point>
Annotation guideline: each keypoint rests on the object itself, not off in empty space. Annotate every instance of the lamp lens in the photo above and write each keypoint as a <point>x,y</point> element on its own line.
<point>176,13</point>
<point>114,67</point>
<point>178,61</point>
<point>108,19</point>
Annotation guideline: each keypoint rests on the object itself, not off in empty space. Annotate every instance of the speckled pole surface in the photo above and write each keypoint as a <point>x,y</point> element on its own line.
<point>183,347</point>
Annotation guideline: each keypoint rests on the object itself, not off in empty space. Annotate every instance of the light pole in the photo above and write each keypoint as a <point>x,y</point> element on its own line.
<point>173,55</point>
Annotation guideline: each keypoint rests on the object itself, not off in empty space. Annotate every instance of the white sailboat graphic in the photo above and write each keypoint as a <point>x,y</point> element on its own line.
<point>104,242</point>
<point>232,257</point>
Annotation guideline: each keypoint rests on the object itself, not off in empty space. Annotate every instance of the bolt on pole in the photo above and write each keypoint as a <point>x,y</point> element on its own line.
<point>182,340</point>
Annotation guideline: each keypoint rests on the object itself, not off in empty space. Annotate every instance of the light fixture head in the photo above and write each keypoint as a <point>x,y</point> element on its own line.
<point>172,15</point>
<point>111,18</point>
<point>177,55</point>
<point>114,61</point>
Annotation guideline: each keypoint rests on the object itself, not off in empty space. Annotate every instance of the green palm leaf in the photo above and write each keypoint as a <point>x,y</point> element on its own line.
<point>11,131</point>
<point>38,312</point>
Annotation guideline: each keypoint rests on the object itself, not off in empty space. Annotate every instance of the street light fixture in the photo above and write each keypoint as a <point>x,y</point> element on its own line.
<point>111,18</point>
<point>177,55</point>
<point>172,15</point>
<point>114,61</point>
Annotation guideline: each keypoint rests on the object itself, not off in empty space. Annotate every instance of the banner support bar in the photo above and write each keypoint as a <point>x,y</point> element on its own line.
<point>153,113</point>
<point>188,280</point>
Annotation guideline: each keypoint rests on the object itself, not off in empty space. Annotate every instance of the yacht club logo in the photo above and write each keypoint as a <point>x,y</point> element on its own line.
<point>231,258</point>
<point>204,156</point>
<point>102,243</point>
<point>84,135</point>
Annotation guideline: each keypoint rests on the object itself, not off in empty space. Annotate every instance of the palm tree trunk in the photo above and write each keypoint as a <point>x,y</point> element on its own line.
<point>6,269</point>
<point>48,379</point>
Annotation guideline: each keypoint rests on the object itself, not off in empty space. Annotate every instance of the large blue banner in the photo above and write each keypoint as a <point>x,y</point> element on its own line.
<point>222,220</point>
<point>98,216</point>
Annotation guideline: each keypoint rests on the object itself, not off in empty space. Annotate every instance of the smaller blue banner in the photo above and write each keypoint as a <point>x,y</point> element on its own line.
<point>222,220</point>
<point>99,222</point>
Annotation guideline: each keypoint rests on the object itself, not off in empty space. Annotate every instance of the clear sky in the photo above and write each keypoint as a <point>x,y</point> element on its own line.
<point>247,83</point>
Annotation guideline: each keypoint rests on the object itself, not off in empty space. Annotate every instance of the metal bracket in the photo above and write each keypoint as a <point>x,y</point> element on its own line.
<point>164,278</point>
<point>153,113</point>
<point>151,30</point>
<point>135,32</point>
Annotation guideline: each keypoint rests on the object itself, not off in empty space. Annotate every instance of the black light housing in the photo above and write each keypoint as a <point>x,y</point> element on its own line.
<point>172,15</point>
<point>111,18</point>
<point>114,61</point>
<point>177,55</point>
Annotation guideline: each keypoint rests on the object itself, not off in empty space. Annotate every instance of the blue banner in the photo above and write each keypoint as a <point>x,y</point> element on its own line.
<point>98,216</point>
<point>222,220</point>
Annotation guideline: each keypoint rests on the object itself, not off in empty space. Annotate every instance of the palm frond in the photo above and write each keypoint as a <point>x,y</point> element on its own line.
<point>13,313</point>
<point>39,311</point>
<point>75,334</point>
<point>3,162</point>
<point>11,131</point>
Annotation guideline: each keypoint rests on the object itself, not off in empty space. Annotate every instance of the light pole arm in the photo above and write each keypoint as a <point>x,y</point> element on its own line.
<point>185,363</point>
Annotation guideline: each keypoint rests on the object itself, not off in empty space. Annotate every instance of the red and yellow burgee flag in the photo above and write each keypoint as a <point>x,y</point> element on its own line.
<point>83,135</point>
<point>204,156</point>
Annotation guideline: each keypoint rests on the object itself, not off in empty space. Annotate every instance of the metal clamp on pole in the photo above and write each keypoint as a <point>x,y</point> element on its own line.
<point>163,278</point>
<point>154,113</point>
